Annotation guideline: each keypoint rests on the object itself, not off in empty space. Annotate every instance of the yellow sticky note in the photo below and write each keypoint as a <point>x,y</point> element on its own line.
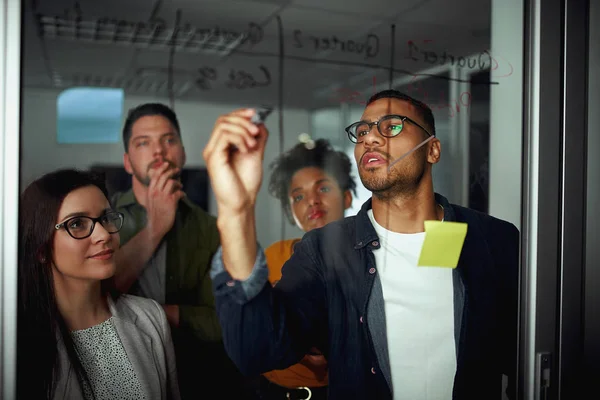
<point>443,244</point>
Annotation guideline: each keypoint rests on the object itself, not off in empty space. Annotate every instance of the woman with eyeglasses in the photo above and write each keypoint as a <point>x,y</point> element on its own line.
<point>77,338</point>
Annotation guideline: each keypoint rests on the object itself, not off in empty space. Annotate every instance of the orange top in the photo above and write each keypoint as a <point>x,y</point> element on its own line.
<point>311,371</point>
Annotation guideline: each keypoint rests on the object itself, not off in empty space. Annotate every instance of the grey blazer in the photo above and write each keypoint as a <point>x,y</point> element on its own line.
<point>146,337</point>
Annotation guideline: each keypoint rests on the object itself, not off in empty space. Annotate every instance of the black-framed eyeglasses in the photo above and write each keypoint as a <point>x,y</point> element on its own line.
<point>82,227</point>
<point>388,126</point>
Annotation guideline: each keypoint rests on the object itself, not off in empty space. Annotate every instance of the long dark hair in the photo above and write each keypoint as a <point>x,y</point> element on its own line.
<point>40,324</point>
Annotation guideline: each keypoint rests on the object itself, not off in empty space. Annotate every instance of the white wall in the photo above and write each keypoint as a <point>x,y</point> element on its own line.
<point>40,152</point>
<point>506,111</point>
<point>329,123</point>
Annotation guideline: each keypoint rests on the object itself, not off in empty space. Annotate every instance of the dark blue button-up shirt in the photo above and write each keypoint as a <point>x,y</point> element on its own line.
<point>330,297</point>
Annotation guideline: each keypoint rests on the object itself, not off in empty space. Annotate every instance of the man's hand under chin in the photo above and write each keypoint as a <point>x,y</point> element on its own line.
<point>163,196</point>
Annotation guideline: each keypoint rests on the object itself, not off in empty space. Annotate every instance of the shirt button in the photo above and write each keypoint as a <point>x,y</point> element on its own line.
<point>230,283</point>
<point>361,319</point>
<point>375,243</point>
<point>372,271</point>
<point>373,370</point>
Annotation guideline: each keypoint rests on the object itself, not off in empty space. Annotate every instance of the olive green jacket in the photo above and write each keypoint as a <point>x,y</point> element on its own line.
<point>191,244</point>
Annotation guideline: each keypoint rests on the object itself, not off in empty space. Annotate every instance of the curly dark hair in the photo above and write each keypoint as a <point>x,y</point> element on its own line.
<point>323,156</point>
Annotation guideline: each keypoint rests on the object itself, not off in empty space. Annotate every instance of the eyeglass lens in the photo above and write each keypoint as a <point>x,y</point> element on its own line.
<point>80,227</point>
<point>387,126</point>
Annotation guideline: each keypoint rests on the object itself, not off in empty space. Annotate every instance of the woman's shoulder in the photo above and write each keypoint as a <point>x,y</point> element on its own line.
<point>135,307</point>
<point>276,255</point>
<point>137,301</point>
<point>282,247</point>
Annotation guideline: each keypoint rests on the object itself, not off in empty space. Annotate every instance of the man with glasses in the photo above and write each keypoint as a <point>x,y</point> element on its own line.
<point>388,328</point>
<point>167,243</point>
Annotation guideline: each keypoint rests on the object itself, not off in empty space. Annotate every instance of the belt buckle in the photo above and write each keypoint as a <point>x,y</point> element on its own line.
<point>287,395</point>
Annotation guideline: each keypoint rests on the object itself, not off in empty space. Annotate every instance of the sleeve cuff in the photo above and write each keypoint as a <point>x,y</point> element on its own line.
<point>250,287</point>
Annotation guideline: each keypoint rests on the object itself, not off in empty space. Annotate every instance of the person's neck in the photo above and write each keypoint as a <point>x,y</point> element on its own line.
<point>81,303</point>
<point>140,191</point>
<point>406,213</point>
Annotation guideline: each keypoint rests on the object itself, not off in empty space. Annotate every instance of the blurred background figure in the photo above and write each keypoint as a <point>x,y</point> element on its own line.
<point>314,186</point>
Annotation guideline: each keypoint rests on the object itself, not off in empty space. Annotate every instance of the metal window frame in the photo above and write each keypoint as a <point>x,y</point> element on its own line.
<point>591,342</point>
<point>553,204</point>
<point>10,102</point>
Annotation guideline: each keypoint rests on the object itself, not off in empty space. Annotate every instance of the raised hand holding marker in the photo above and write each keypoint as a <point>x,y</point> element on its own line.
<point>261,115</point>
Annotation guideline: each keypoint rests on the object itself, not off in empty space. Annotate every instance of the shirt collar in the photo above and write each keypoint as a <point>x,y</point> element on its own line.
<point>365,231</point>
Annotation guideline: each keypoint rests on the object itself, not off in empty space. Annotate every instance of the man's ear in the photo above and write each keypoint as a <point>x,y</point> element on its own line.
<point>347,199</point>
<point>127,164</point>
<point>435,151</point>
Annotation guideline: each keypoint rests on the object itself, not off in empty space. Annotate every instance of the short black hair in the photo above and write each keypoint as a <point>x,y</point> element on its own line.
<point>423,108</point>
<point>322,155</point>
<point>144,110</point>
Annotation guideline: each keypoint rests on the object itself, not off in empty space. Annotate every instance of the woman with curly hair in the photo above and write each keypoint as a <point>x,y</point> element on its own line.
<point>314,186</point>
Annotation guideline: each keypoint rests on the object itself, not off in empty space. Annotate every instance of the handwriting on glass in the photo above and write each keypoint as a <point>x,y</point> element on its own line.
<point>442,102</point>
<point>237,78</point>
<point>481,61</point>
<point>369,46</point>
<point>215,37</point>
<point>346,95</point>
<point>157,30</point>
<point>240,79</point>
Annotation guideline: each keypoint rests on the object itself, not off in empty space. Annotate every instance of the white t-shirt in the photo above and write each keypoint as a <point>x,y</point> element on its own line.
<point>419,311</point>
